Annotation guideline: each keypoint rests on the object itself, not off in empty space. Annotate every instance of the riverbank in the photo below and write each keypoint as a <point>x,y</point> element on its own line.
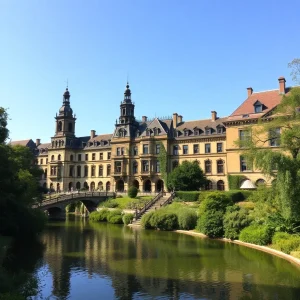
<point>269,250</point>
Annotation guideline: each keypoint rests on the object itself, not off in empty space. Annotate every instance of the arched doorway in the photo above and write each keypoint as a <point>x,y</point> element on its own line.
<point>147,186</point>
<point>51,187</point>
<point>220,185</point>
<point>120,186</point>
<point>159,185</point>
<point>100,186</point>
<point>108,186</point>
<point>136,184</point>
<point>58,187</point>
<point>85,185</point>
<point>92,186</point>
<point>78,185</point>
<point>208,185</point>
<point>71,186</point>
<point>260,182</point>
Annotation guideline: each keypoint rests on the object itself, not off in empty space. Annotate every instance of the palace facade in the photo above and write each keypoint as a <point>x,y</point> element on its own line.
<point>130,155</point>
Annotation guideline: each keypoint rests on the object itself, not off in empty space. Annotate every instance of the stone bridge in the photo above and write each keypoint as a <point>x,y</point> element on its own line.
<point>56,206</point>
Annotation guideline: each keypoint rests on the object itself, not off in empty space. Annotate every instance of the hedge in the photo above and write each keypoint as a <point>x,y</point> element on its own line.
<point>99,216</point>
<point>127,218</point>
<point>234,181</point>
<point>256,234</point>
<point>190,196</point>
<point>235,195</point>
<point>285,242</point>
<point>211,223</point>
<point>132,192</point>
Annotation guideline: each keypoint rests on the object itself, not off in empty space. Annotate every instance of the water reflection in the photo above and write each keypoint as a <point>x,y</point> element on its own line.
<point>104,261</point>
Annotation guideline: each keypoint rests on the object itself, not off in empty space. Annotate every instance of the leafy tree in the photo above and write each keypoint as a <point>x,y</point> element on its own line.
<point>295,66</point>
<point>188,176</point>
<point>132,192</point>
<point>284,163</point>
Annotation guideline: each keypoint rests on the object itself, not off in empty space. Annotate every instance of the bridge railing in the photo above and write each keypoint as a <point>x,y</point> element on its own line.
<point>65,197</point>
<point>169,200</point>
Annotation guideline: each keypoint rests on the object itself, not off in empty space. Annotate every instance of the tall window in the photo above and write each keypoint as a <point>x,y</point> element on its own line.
<point>135,150</point>
<point>118,151</point>
<point>157,148</point>
<point>274,136</point>
<point>78,171</point>
<point>79,157</point>
<point>175,150</point>
<point>71,171</point>
<point>145,149</point>
<point>86,171</point>
<point>196,148</point>
<point>59,157</point>
<point>135,167</point>
<point>244,135</point>
<point>108,155</point>
<point>244,164</point>
<point>219,147</point>
<point>52,158</point>
<point>108,169</point>
<point>118,167</point>
<point>101,156</point>
<point>207,166</point>
<point>145,166</point>
<point>100,171</point>
<point>93,171</point>
<point>207,148</point>
<point>86,156</point>
<point>220,166</point>
<point>93,156</point>
<point>185,149</point>
<point>157,166</point>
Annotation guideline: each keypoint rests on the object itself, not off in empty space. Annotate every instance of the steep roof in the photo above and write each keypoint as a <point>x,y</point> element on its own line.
<point>21,142</point>
<point>269,100</point>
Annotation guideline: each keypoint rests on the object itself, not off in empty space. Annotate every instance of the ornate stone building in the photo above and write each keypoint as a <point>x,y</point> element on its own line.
<point>130,155</point>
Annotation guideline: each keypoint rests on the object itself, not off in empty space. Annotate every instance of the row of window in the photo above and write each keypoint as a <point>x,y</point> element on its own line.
<point>196,149</point>
<point>273,139</point>
<point>207,166</point>
<point>197,131</point>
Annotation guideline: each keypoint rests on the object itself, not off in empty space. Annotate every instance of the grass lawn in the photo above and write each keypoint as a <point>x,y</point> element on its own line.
<point>130,203</point>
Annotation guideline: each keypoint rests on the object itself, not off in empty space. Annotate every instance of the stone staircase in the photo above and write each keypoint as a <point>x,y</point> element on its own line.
<point>157,205</point>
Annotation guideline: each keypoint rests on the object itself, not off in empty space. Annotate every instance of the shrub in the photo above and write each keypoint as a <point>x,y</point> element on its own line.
<point>211,223</point>
<point>99,216</point>
<point>286,242</point>
<point>127,218</point>
<point>234,195</point>
<point>166,221</point>
<point>235,219</point>
<point>132,192</point>
<point>215,201</point>
<point>115,216</point>
<point>110,203</point>
<point>145,221</point>
<point>255,234</point>
<point>188,196</point>
<point>119,196</point>
<point>187,219</point>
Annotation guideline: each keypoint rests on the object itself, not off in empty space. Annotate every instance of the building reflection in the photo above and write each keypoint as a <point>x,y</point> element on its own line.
<point>142,262</point>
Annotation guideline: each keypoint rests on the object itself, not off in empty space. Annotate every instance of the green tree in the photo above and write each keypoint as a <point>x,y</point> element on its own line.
<point>188,176</point>
<point>295,66</point>
<point>283,164</point>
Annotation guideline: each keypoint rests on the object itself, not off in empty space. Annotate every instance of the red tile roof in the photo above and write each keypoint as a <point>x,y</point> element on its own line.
<point>21,142</point>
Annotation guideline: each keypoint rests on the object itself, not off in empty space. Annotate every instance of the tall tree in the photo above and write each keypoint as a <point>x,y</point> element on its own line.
<point>188,176</point>
<point>295,66</point>
<point>283,163</point>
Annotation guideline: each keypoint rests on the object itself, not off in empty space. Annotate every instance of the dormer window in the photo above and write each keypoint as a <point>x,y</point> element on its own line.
<point>207,131</point>
<point>147,132</point>
<point>220,129</point>
<point>122,133</point>
<point>258,107</point>
<point>186,132</point>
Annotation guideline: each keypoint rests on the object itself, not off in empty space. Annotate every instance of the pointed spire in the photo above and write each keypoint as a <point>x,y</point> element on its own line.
<point>127,94</point>
<point>66,95</point>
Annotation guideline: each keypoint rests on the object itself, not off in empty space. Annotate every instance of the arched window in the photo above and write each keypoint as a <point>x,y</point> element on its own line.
<point>220,166</point>
<point>93,171</point>
<point>59,126</point>
<point>108,169</point>
<point>86,171</point>
<point>59,157</point>
<point>135,167</point>
<point>207,166</point>
<point>100,173</point>
<point>208,185</point>
<point>52,158</point>
<point>108,186</point>
<point>100,186</point>
<point>78,185</point>
<point>220,185</point>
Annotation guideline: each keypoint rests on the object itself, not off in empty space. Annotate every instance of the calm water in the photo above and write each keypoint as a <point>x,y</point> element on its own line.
<point>89,261</point>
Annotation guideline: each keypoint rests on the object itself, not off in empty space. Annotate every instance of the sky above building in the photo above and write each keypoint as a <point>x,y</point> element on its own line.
<point>189,57</point>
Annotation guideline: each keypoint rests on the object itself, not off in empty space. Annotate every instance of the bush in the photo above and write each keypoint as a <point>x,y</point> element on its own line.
<point>215,201</point>
<point>132,192</point>
<point>99,216</point>
<point>115,216</point>
<point>145,221</point>
<point>285,242</point>
<point>165,221</point>
<point>255,234</point>
<point>187,219</point>
<point>235,219</point>
<point>188,196</point>
<point>211,223</point>
<point>127,218</point>
<point>110,203</point>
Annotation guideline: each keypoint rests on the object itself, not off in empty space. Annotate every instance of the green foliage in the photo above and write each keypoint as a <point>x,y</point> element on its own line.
<point>277,223</point>
<point>145,221</point>
<point>188,196</point>
<point>187,219</point>
<point>132,192</point>
<point>215,201</point>
<point>3,123</point>
<point>127,218</point>
<point>235,219</point>
<point>256,234</point>
<point>163,161</point>
<point>211,223</point>
<point>115,216</point>
<point>285,242</point>
<point>110,203</point>
<point>188,176</point>
<point>164,221</point>
<point>234,181</point>
<point>235,195</point>
<point>99,216</point>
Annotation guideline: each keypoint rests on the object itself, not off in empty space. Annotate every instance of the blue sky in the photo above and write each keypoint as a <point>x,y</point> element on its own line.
<point>188,57</point>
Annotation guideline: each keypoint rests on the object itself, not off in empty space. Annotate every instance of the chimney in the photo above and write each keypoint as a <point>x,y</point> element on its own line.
<point>175,120</point>
<point>281,85</point>
<point>93,133</point>
<point>179,119</point>
<point>144,119</point>
<point>38,142</point>
<point>213,116</point>
<point>250,91</point>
